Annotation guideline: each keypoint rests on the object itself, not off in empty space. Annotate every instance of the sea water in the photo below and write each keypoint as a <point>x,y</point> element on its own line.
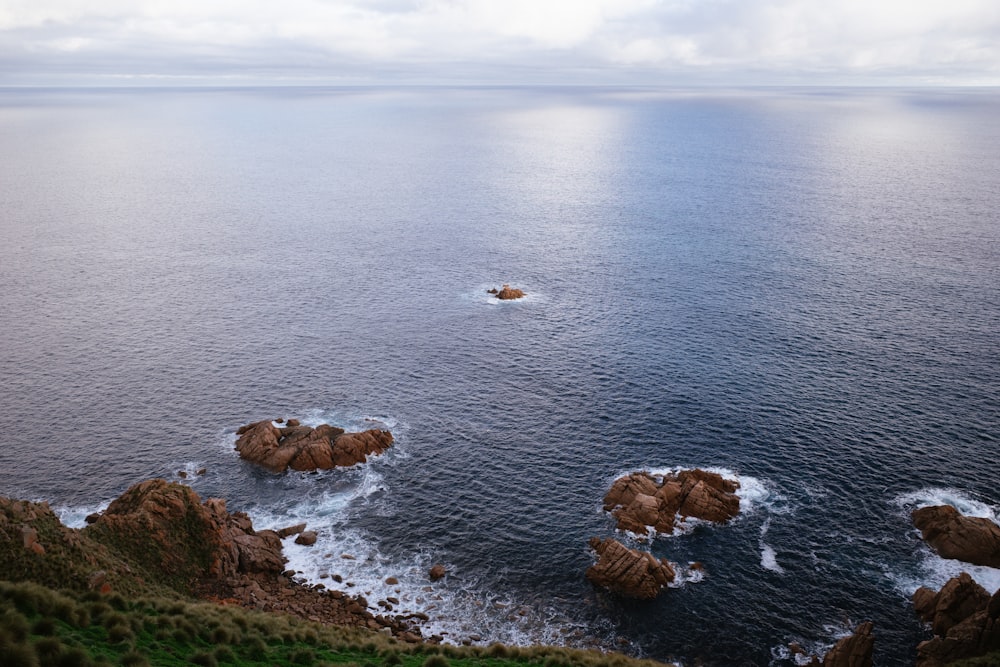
<point>798,287</point>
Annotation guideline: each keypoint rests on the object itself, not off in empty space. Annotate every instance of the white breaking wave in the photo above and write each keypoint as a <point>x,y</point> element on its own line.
<point>76,517</point>
<point>768,557</point>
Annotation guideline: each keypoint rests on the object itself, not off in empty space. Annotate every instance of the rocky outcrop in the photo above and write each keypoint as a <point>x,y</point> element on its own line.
<point>627,572</point>
<point>159,539</point>
<point>965,620</point>
<point>640,500</point>
<point>506,293</point>
<point>854,650</point>
<point>970,539</point>
<point>305,448</point>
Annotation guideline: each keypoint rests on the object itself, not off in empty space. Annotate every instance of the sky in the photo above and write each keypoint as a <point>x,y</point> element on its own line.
<point>500,42</point>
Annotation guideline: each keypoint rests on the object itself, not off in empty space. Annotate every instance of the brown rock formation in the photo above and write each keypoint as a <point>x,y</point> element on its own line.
<point>507,293</point>
<point>306,448</point>
<point>970,539</point>
<point>437,572</point>
<point>639,499</point>
<point>628,572</point>
<point>965,620</point>
<point>853,651</point>
<point>160,538</point>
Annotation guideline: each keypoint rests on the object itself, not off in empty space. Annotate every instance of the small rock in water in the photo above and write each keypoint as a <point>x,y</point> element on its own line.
<point>182,474</point>
<point>437,572</point>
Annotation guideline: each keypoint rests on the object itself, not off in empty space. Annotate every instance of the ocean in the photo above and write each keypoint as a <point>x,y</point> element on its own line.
<point>798,287</point>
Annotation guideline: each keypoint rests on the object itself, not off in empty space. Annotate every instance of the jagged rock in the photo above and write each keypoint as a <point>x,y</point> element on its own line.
<point>965,620</point>
<point>305,448</point>
<point>628,572</point>
<point>958,599</point>
<point>853,651</point>
<point>437,572</point>
<point>970,539</point>
<point>507,293</point>
<point>288,531</point>
<point>640,500</point>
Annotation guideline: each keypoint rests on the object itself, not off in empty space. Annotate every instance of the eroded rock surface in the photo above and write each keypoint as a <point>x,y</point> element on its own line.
<point>628,572</point>
<point>306,448</point>
<point>160,536</point>
<point>639,499</point>
<point>965,619</point>
<point>854,650</point>
<point>507,293</point>
<point>970,539</point>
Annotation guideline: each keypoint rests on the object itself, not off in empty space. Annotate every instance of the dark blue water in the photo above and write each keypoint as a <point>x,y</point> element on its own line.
<point>799,287</point>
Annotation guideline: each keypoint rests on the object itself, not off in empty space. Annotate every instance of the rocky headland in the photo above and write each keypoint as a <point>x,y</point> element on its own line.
<point>305,448</point>
<point>159,538</point>
<point>640,501</point>
<point>964,617</point>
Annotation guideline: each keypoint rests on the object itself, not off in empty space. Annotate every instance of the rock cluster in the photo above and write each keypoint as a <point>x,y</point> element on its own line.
<point>635,574</point>
<point>640,500</point>
<point>970,539</point>
<point>965,620</point>
<point>305,448</point>
<point>506,293</point>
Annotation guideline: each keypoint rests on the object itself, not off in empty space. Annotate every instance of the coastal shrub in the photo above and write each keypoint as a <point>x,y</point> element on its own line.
<point>120,633</point>
<point>17,655</point>
<point>48,650</point>
<point>302,656</point>
<point>392,660</point>
<point>498,651</point>
<point>14,625</point>
<point>204,658</point>
<point>255,648</point>
<point>436,660</point>
<point>224,654</point>
<point>74,657</point>
<point>44,626</point>
<point>134,659</point>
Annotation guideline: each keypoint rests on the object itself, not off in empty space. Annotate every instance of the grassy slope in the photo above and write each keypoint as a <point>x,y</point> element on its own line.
<point>39,626</point>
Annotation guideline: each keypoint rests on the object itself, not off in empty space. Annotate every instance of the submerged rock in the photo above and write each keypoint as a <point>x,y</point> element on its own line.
<point>306,448</point>
<point>970,539</point>
<point>640,500</point>
<point>965,620</point>
<point>628,572</point>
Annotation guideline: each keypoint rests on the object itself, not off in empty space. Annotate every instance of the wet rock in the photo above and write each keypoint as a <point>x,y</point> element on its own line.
<point>965,620</point>
<point>970,539</point>
<point>288,531</point>
<point>853,651</point>
<point>306,538</point>
<point>305,448</point>
<point>628,572</point>
<point>507,293</point>
<point>437,572</point>
<point>639,500</point>
<point>391,581</point>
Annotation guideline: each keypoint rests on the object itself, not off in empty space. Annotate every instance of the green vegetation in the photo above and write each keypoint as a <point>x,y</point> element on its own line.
<point>40,627</point>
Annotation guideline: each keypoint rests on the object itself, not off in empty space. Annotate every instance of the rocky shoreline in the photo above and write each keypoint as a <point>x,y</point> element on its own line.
<point>158,537</point>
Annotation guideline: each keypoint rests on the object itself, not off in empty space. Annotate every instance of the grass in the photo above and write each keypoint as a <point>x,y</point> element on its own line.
<point>40,626</point>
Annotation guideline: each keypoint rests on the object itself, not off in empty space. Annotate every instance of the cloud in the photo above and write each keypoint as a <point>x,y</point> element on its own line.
<point>613,40</point>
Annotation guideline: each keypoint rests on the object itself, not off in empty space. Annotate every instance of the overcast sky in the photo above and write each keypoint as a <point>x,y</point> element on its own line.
<point>880,42</point>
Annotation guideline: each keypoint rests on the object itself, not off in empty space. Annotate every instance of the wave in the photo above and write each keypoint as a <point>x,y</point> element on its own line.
<point>768,556</point>
<point>931,570</point>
